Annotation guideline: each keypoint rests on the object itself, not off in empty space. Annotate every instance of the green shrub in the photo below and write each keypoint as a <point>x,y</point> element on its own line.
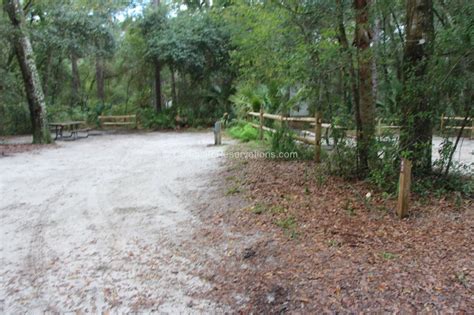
<point>122,109</point>
<point>244,132</point>
<point>14,119</point>
<point>65,113</point>
<point>199,116</point>
<point>150,119</point>
<point>343,160</point>
<point>284,146</point>
<point>249,98</point>
<point>384,168</point>
<point>460,180</point>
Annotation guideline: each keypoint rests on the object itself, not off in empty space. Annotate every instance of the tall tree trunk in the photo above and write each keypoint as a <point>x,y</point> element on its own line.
<point>375,65</point>
<point>26,59</point>
<point>76,80</point>
<point>56,79</point>
<point>174,95</point>
<point>47,73</point>
<point>127,95</point>
<point>99,78</point>
<point>157,97</point>
<point>362,39</point>
<point>342,37</point>
<point>416,134</point>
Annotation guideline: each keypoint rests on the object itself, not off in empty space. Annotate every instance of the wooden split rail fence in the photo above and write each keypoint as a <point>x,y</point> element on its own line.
<point>317,121</point>
<point>405,171</point>
<point>118,121</point>
<point>445,120</point>
<point>312,121</point>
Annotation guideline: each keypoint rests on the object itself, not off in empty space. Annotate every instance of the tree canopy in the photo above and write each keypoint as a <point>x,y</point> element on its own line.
<point>403,62</point>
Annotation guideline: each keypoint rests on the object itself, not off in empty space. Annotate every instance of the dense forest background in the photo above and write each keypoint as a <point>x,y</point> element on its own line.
<point>189,62</point>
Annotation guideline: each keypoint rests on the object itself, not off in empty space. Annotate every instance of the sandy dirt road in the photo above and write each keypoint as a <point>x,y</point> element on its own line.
<point>98,224</point>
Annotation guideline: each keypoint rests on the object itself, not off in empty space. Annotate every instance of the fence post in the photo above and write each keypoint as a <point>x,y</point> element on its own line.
<point>379,127</point>
<point>472,128</point>
<point>404,188</point>
<point>261,123</point>
<point>317,131</point>
<point>442,122</point>
<point>217,133</point>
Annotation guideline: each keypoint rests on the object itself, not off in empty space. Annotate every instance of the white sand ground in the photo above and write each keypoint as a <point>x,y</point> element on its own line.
<point>98,224</point>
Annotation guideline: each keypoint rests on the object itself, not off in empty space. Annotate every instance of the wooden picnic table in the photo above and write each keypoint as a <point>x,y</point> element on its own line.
<point>72,126</point>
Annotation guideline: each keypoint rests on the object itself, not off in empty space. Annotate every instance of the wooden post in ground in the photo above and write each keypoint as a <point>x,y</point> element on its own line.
<point>379,127</point>
<point>404,188</point>
<point>472,128</point>
<point>260,136</point>
<point>217,133</point>
<point>317,143</point>
<point>442,123</point>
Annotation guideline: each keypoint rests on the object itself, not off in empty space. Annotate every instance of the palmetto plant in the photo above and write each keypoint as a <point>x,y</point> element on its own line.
<point>250,98</point>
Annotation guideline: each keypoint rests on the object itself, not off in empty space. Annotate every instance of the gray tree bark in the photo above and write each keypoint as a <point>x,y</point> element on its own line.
<point>416,132</point>
<point>157,97</point>
<point>26,59</point>
<point>76,81</point>
<point>100,78</point>
<point>173,87</point>
<point>362,40</point>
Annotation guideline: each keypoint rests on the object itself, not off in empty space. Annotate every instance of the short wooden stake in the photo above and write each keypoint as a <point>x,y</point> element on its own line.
<point>261,123</point>
<point>317,143</point>
<point>472,128</point>
<point>379,127</point>
<point>404,188</point>
<point>217,133</point>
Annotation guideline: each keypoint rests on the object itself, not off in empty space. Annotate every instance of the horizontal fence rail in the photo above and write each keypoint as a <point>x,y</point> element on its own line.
<point>311,120</point>
<point>295,119</point>
<point>457,120</point>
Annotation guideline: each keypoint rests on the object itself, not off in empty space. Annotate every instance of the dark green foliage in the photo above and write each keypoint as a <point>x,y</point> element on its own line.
<point>343,160</point>
<point>384,170</point>
<point>284,146</point>
<point>196,47</point>
<point>15,119</point>
<point>150,119</point>
<point>238,56</point>
<point>458,181</point>
<point>250,98</point>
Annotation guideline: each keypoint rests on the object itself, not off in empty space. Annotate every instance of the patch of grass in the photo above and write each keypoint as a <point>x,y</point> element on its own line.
<point>258,208</point>
<point>233,190</point>
<point>289,223</point>
<point>277,209</point>
<point>244,132</point>
<point>289,226</point>
<point>388,255</point>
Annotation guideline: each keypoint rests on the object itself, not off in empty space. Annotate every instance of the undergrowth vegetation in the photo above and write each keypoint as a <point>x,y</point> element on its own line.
<point>341,160</point>
<point>243,131</point>
<point>283,144</point>
<point>278,145</point>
